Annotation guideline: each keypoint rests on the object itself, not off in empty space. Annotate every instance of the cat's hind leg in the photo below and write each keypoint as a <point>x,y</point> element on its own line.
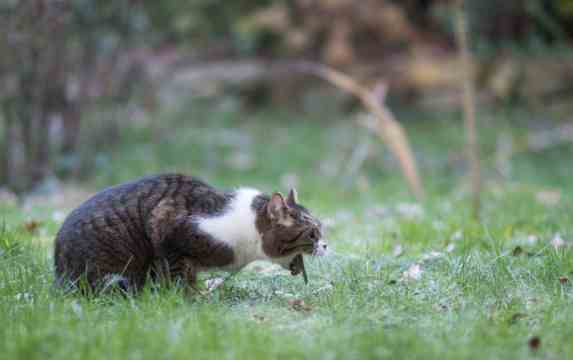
<point>179,270</point>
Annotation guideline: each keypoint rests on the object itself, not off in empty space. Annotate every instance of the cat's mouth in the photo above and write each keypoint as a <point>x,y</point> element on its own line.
<point>306,248</point>
<point>314,248</point>
<point>317,248</point>
<point>311,246</point>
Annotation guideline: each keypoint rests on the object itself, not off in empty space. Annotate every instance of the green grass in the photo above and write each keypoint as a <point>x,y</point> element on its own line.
<point>477,299</point>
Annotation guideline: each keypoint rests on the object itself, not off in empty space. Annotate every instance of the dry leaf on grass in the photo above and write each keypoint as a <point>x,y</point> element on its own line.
<point>532,239</point>
<point>516,317</point>
<point>534,343</point>
<point>378,211</point>
<point>563,280</point>
<point>557,241</point>
<point>549,197</point>
<point>450,248</point>
<point>214,283</point>
<point>431,255</point>
<point>457,236</point>
<point>440,307</point>
<point>517,251</point>
<point>32,226</point>
<point>327,287</point>
<point>410,210</point>
<point>259,318</point>
<point>77,309</point>
<point>398,250</point>
<point>299,305</point>
<point>414,272</point>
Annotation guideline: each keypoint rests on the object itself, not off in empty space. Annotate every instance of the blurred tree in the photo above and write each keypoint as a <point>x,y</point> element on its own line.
<point>58,56</point>
<point>61,58</point>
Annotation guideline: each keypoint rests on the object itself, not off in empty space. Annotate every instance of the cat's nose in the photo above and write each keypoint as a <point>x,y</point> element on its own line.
<point>321,249</point>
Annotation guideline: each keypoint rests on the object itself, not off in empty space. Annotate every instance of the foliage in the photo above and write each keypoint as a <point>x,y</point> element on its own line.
<point>64,60</point>
<point>199,23</point>
<point>59,57</point>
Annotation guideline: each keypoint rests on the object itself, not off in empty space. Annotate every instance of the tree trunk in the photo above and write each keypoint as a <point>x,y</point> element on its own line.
<point>41,160</point>
<point>6,167</point>
<point>26,120</point>
<point>71,127</point>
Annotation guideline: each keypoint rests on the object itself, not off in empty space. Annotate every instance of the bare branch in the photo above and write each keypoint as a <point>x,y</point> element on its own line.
<point>384,124</point>
<point>468,103</point>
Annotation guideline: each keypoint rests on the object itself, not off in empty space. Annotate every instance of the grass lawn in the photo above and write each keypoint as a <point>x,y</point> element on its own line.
<point>404,280</point>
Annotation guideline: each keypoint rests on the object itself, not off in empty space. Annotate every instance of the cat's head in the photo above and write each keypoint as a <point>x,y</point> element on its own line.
<point>289,229</point>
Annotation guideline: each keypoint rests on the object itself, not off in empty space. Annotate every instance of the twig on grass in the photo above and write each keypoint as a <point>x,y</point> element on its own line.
<point>382,123</point>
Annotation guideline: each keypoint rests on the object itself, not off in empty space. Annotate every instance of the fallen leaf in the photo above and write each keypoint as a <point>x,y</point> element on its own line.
<point>25,296</point>
<point>414,272</point>
<point>563,279</point>
<point>532,239</point>
<point>259,318</point>
<point>32,226</point>
<point>398,250</point>
<point>557,241</point>
<point>457,236</point>
<point>299,305</point>
<point>431,255</point>
<point>378,211</point>
<point>517,251</point>
<point>77,309</point>
<point>214,283</point>
<point>324,288</point>
<point>410,210</point>
<point>549,197</point>
<point>516,317</point>
<point>534,343</point>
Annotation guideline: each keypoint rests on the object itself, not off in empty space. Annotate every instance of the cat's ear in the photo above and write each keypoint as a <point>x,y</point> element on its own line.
<point>277,206</point>
<point>292,198</point>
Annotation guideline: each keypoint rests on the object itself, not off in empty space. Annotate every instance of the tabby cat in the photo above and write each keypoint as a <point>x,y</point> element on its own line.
<point>176,226</point>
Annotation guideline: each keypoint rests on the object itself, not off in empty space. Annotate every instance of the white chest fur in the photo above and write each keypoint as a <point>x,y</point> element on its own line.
<point>236,227</point>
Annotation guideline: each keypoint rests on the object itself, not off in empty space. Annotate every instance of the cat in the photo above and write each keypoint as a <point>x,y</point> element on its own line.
<point>176,226</point>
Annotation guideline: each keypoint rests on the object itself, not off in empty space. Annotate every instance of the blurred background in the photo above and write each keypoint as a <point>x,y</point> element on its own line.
<point>93,93</point>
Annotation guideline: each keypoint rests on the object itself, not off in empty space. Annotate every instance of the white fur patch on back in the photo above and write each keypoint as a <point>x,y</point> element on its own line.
<point>236,227</point>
